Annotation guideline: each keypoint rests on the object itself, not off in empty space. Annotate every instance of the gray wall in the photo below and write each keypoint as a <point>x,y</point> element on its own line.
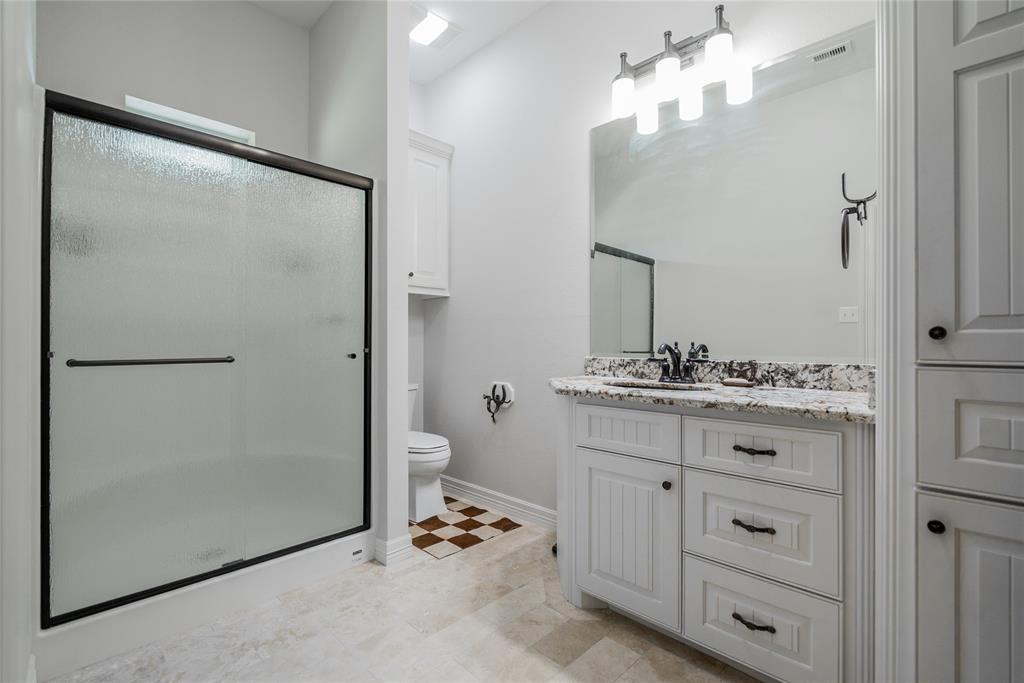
<point>229,61</point>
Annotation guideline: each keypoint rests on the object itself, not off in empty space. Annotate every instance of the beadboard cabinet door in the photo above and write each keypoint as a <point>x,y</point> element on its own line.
<point>429,180</point>
<point>628,547</point>
<point>970,177</point>
<point>970,591</point>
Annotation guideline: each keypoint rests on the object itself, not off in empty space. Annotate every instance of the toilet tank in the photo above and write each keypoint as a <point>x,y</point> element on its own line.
<point>413,388</point>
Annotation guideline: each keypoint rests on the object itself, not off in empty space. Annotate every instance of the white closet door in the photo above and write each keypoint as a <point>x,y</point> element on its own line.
<point>970,121</point>
<point>970,592</point>
<point>429,170</point>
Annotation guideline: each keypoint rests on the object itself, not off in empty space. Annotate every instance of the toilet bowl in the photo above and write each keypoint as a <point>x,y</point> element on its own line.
<point>428,456</point>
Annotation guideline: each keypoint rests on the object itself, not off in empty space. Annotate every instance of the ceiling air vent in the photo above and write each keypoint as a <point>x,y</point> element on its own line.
<point>832,52</point>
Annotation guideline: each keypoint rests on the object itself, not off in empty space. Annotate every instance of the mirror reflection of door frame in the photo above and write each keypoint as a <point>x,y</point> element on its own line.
<point>646,260</point>
<point>65,104</point>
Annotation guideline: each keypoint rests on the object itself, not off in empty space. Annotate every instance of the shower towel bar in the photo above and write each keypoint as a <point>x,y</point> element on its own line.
<point>72,363</point>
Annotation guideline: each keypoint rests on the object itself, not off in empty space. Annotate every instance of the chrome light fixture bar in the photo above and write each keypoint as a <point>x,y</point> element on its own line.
<point>679,75</point>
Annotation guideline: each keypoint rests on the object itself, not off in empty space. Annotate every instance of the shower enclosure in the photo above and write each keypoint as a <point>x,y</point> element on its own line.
<point>205,356</point>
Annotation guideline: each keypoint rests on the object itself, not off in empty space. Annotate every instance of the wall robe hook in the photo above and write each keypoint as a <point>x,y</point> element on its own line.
<point>859,209</point>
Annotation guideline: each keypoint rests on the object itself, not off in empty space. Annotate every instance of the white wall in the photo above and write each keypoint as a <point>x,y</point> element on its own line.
<point>519,114</point>
<point>418,107</point>
<point>228,61</point>
<point>359,121</point>
<point>20,138</point>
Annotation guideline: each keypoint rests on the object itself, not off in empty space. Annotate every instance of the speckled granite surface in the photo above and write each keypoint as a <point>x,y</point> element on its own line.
<point>816,404</point>
<point>822,376</point>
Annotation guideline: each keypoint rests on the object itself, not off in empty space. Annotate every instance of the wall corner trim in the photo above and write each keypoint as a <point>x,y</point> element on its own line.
<point>388,552</point>
<point>520,510</point>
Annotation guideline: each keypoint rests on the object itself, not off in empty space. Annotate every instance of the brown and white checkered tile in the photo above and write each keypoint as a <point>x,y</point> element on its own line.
<point>463,526</point>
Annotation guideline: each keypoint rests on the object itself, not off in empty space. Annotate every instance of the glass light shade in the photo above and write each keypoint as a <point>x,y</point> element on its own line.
<point>691,94</point>
<point>623,97</point>
<point>718,56</point>
<point>647,114</point>
<point>739,84</point>
<point>666,77</point>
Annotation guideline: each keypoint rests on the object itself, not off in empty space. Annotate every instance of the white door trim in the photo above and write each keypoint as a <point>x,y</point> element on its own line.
<point>894,632</point>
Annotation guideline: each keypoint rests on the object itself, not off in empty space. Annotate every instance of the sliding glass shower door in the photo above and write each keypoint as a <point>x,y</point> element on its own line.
<point>205,343</point>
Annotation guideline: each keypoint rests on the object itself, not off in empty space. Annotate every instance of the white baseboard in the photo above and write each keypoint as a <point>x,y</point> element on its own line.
<point>516,508</point>
<point>390,552</point>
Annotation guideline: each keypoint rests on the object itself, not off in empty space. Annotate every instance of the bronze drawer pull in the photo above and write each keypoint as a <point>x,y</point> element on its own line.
<point>754,529</point>
<point>751,625</point>
<point>753,451</point>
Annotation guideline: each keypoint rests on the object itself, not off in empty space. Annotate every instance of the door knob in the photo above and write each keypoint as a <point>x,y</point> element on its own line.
<point>938,333</point>
<point>936,527</point>
<point>666,485</point>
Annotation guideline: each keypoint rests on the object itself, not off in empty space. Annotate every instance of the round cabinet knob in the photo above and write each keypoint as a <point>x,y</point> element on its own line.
<point>936,527</point>
<point>411,274</point>
<point>938,333</point>
<point>666,485</point>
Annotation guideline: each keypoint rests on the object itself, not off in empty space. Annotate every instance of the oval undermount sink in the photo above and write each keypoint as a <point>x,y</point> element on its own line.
<point>653,384</point>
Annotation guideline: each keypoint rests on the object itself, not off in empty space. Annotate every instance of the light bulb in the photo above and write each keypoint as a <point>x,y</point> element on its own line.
<point>666,77</point>
<point>691,94</point>
<point>623,97</point>
<point>718,56</point>
<point>623,90</point>
<point>647,114</point>
<point>739,83</point>
<point>666,72</point>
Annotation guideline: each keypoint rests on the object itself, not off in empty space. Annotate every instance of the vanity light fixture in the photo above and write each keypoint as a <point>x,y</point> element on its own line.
<point>719,63</point>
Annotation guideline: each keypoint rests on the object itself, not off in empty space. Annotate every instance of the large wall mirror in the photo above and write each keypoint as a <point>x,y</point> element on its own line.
<point>726,230</point>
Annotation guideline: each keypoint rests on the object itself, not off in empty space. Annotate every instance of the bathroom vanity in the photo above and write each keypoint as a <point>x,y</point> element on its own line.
<point>736,520</point>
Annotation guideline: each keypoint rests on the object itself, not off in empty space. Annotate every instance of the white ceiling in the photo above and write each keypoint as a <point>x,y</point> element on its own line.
<point>302,13</point>
<point>479,22</point>
<point>476,23</point>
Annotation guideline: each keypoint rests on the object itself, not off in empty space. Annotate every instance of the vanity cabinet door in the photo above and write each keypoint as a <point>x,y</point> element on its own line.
<point>970,591</point>
<point>628,548</point>
<point>429,169</point>
<point>970,167</point>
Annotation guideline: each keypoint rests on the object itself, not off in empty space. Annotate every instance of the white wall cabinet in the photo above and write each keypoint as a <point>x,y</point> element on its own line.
<point>970,591</point>
<point>627,533</point>
<point>429,181</point>
<point>970,89</point>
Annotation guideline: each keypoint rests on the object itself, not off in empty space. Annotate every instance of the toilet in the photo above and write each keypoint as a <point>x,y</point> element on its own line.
<point>428,456</point>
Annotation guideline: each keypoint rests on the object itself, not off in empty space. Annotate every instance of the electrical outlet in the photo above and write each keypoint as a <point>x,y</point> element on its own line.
<point>849,314</point>
<point>509,391</point>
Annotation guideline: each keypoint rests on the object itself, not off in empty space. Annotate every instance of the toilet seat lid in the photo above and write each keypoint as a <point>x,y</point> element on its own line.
<point>423,442</point>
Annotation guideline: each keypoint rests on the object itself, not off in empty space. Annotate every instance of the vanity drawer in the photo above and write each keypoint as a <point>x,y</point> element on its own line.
<point>631,432</point>
<point>805,644</point>
<point>802,456</point>
<point>798,537</point>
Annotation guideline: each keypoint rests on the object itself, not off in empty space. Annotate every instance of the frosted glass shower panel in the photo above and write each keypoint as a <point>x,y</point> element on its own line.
<point>143,460</point>
<point>304,362</point>
<point>206,328</point>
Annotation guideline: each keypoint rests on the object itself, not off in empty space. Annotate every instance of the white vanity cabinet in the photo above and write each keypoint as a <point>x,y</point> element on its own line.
<point>745,535</point>
<point>429,180</point>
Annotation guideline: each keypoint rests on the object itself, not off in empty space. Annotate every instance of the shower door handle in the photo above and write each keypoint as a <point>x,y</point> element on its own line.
<point>73,363</point>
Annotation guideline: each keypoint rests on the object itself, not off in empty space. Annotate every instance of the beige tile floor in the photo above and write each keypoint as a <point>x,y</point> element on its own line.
<point>493,612</point>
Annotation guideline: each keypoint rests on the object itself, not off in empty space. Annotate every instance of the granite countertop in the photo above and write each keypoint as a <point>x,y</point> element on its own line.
<point>816,404</point>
